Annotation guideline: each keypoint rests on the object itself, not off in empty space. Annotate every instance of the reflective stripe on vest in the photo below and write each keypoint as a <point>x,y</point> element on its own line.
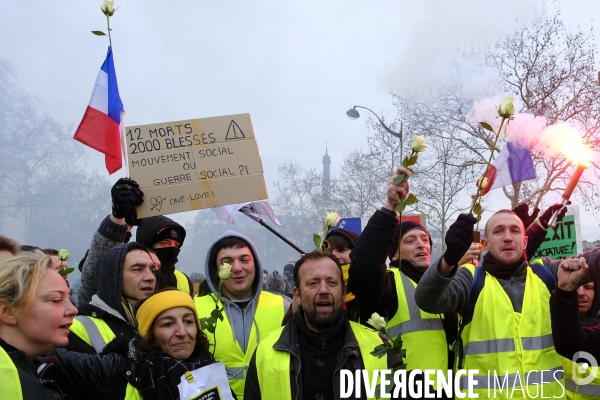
<point>580,392</point>
<point>96,339</point>
<point>503,342</point>
<point>93,331</point>
<point>11,383</point>
<point>423,335</point>
<point>182,282</point>
<point>273,366</point>
<point>268,316</point>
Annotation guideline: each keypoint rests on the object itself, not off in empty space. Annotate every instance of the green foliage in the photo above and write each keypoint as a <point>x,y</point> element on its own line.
<point>380,350</point>
<point>487,126</point>
<point>65,272</point>
<point>317,240</point>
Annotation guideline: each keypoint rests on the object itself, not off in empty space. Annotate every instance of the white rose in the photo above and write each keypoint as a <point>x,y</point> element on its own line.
<point>377,322</point>
<point>418,144</point>
<point>224,271</point>
<point>331,219</point>
<point>108,7</point>
<point>63,255</point>
<point>507,108</point>
<point>483,184</point>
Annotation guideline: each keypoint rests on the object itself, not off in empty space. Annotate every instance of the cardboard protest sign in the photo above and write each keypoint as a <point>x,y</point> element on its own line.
<point>565,240</point>
<point>193,164</point>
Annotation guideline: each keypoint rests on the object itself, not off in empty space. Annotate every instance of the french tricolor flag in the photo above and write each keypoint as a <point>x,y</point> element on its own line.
<point>512,165</point>
<point>100,127</point>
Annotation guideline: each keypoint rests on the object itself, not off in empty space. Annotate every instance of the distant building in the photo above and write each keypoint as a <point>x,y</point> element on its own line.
<point>590,245</point>
<point>326,187</point>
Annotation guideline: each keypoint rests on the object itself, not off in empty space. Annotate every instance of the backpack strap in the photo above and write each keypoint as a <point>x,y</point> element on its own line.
<point>474,291</point>
<point>544,274</point>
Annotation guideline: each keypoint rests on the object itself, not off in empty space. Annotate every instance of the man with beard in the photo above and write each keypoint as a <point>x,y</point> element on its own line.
<point>390,291</point>
<point>303,359</point>
<point>165,237</point>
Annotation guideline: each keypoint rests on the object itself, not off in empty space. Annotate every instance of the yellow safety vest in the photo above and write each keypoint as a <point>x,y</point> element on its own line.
<point>422,333</point>
<point>182,282</point>
<point>273,366</point>
<point>132,393</point>
<point>11,383</point>
<point>93,331</point>
<point>269,314</point>
<point>500,342</point>
<point>574,390</point>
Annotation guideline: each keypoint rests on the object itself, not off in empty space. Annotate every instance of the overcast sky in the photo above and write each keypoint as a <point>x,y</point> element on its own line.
<point>296,67</point>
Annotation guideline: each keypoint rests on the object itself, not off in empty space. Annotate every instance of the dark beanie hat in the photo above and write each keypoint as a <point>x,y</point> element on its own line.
<point>288,268</point>
<point>350,236</point>
<point>403,229</point>
<point>171,232</point>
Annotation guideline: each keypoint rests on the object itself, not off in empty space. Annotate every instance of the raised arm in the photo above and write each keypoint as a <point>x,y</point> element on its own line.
<point>567,332</point>
<point>444,287</point>
<point>368,279</point>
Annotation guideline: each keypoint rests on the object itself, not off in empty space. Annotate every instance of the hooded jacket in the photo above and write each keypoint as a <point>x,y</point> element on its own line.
<point>146,234</point>
<point>241,319</point>
<point>107,305</point>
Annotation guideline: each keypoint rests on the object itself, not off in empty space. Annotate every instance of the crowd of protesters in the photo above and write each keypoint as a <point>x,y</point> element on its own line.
<point>143,329</point>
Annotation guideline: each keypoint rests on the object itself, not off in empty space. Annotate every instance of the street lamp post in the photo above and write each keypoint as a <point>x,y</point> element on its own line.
<point>353,114</point>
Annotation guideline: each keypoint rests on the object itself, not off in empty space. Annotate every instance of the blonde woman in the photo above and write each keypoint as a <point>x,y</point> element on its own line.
<point>35,315</point>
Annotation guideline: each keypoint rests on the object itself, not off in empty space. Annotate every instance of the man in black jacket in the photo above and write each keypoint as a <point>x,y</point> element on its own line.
<point>575,325</point>
<point>307,355</point>
<point>390,291</point>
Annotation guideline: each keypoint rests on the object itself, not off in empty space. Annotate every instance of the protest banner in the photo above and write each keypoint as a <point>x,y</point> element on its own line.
<point>565,240</point>
<point>193,164</point>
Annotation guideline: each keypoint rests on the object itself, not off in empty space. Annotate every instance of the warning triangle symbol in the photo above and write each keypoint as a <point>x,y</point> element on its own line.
<point>234,131</point>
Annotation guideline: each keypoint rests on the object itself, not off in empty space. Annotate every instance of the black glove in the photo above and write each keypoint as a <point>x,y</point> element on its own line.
<point>131,219</point>
<point>126,194</point>
<point>459,238</point>
<point>522,211</point>
<point>545,218</point>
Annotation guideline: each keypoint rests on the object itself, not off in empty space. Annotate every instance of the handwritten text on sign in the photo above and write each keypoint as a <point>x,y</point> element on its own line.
<point>199,163</point>
<point>560,243</point>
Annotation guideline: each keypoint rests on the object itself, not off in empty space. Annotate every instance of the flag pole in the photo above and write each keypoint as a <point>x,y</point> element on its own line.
<point>279,235</point>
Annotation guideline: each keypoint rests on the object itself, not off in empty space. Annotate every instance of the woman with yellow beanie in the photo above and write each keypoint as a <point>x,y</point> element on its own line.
<point>167,357</point>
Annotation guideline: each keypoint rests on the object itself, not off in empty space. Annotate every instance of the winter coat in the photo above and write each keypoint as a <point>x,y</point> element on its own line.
<point>349,358</point>
<point>108,236</point>
<point>568,331</point>
<point>33,386</point>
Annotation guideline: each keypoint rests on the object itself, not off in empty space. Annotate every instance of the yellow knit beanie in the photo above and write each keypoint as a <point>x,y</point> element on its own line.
<point>159,302</point>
